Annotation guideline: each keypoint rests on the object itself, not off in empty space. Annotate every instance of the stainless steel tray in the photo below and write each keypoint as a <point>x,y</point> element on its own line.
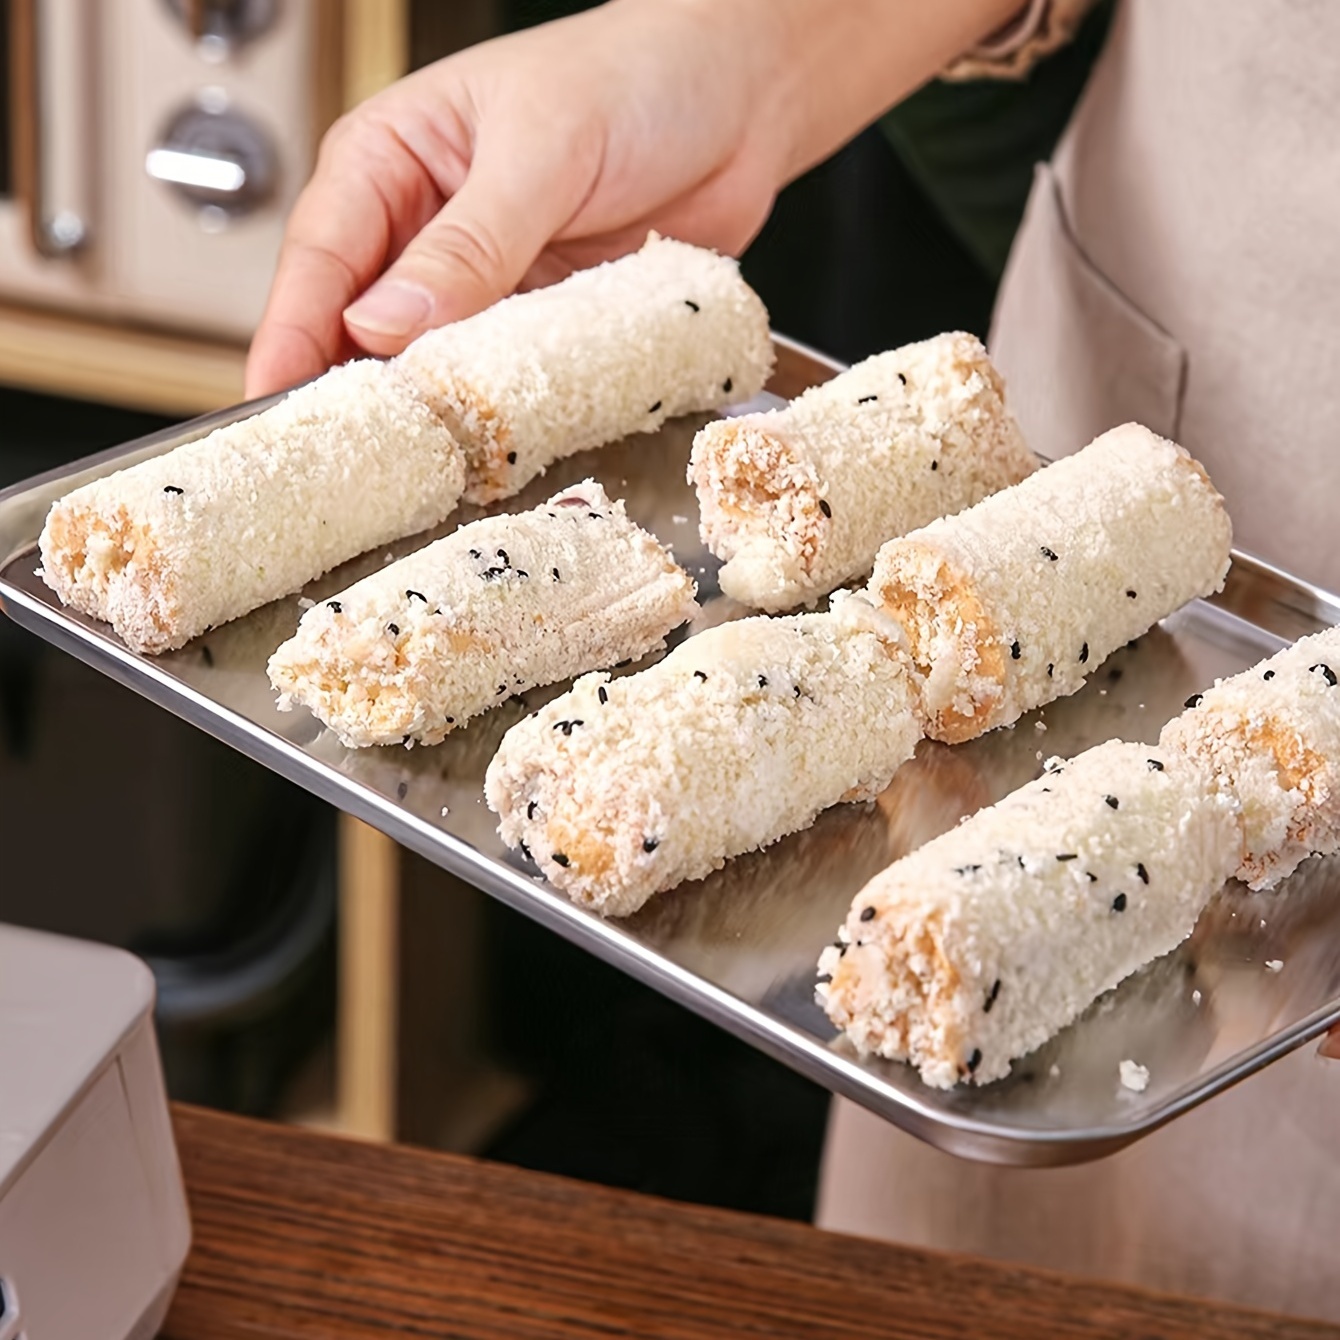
<point>740,947</point>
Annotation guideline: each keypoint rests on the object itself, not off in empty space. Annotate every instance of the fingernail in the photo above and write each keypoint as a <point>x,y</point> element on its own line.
<point>393,307</point>
<point>1330,1047</point>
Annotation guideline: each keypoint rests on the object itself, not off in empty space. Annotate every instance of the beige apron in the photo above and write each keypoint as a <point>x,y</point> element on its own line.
<point>1179,264</point>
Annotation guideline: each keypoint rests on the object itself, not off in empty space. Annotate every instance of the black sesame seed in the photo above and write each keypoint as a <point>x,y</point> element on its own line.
<point>698,674</point>
<point>451,721</point>
<point>525,851</point>
<point>1091,877</point>
<point>974,1060</point>
<point>865,399</point>
<point>207,656</point>
<point>474,553</point>
<point>650,844</point>
<point>172,488</point>
<point>1327,673</point>
<point>902,379</point>
<point>596,516</point>
<point>335,605</point>
<point>602,695</point>
<point>1014,650</point>
<point>559,859</point>
<point>824,507</point>
<point>522,573</point>
<point>1130,595</point>
<point>728,386</point>
<point>1067,856</point>
<point>531,808</point>
<point>763,681</point>
<point>492,574</point>
<point>557,578</point>
<point>567,726</point>
<point>1194,700</point>
<point>1020,859</point>
<point>402,790</point>
<point>688,302</point>
<point>393,629</point>
<point>1119,903</point>
<point>1050,668</point>
<point>502,688</point>
<point>416,595</point>
<point>1142,872</point>
<point>966,869</point>
<point>1084,653</point>
<point>1112,802</point>
<point>867,914</point>
<point>991,996</point>
<point>1049,554</point>
<point>1154,765</point>
<point>511,458</point>
<point>935,465</point>
<point>502,554</point>
<point>1269,674</point>
<point>654,408</point>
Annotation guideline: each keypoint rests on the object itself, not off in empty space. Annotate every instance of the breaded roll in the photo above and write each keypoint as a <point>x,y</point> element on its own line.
<point>500,606</point>
<point>620,789</point>
<point>981,945</point>
<point>798,500</point>
<point>609,351</point>
<point>208,532</point>
<point>1013,602</point>
<point>1271,738</point>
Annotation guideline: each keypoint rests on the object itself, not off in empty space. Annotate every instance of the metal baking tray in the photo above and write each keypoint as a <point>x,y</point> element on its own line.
<point>740,947</point>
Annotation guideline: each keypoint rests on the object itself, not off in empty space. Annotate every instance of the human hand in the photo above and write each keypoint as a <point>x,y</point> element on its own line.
<point>512,163</point>
<point>1330,1044</point>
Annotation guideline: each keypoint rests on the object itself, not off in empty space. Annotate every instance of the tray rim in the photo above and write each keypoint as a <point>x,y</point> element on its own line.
<point>840,1073</point>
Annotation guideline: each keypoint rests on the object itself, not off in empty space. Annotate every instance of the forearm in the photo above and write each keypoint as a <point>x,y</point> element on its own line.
<point>830,67</point>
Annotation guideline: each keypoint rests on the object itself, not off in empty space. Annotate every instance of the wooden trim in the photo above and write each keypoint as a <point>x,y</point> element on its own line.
<point>376,46</point>
<point>327,70</point>
<point>118,365</point>
<point>367,1032</point>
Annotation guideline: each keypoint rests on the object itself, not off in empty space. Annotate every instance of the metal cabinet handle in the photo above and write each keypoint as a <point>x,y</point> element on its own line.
<point>51,121</point>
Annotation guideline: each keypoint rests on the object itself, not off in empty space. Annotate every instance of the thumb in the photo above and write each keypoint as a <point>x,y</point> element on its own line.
<point>473,252</point>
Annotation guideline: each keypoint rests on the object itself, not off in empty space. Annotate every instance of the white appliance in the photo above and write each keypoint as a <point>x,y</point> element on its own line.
<point>93,1219</point>
<point>154,148</point>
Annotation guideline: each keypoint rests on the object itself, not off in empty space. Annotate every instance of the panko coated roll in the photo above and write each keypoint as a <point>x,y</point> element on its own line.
<point>609,351</point>
<point>620,789</point>
<point>500,606</point>
<point>798,500</point>
<point>978,947</point>
<point>1271,738</point>
<point>208,532</point>
<point>1012,603</point>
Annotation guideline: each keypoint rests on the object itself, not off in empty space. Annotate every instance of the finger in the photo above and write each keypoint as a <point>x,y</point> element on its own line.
<point>1330,1045</point>
<point>482,242</point>
<point>367,196</point>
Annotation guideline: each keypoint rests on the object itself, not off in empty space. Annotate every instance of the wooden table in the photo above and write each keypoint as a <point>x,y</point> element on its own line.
<point>304,1235</point>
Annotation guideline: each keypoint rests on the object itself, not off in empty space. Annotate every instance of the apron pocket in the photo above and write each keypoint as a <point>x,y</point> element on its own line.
<point>1078,356</point>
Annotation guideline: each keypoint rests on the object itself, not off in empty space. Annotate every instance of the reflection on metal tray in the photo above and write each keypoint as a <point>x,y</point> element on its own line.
<point>740,947</point>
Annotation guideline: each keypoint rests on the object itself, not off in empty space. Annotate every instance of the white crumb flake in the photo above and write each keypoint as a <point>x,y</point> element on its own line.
<point>1134,1076</point>
<point>797,500</point>
<point>255,510</point>
<point>1274,964</point>
<point>1271,737</point>
<point>680,520</point>
<point>616,349</point>
<point>500,606</point>
<point>305,603</point>
<point>979,946</point>
<point>1196,997</point>
<point>1012,603</point>
<point>622,788</point>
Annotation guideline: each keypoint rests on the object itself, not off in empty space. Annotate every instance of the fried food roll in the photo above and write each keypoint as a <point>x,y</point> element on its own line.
<point>798,500</point>
<point>499,606</point>
<point>208,532</point>
<point>1012,603</point>
<point>981,945</point>
<point>620,789</point>
<point>1271,738</point>
<point>609,351</point>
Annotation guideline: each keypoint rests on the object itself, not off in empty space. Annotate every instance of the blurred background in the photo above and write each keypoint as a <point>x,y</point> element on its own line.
<point>307,968</point>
